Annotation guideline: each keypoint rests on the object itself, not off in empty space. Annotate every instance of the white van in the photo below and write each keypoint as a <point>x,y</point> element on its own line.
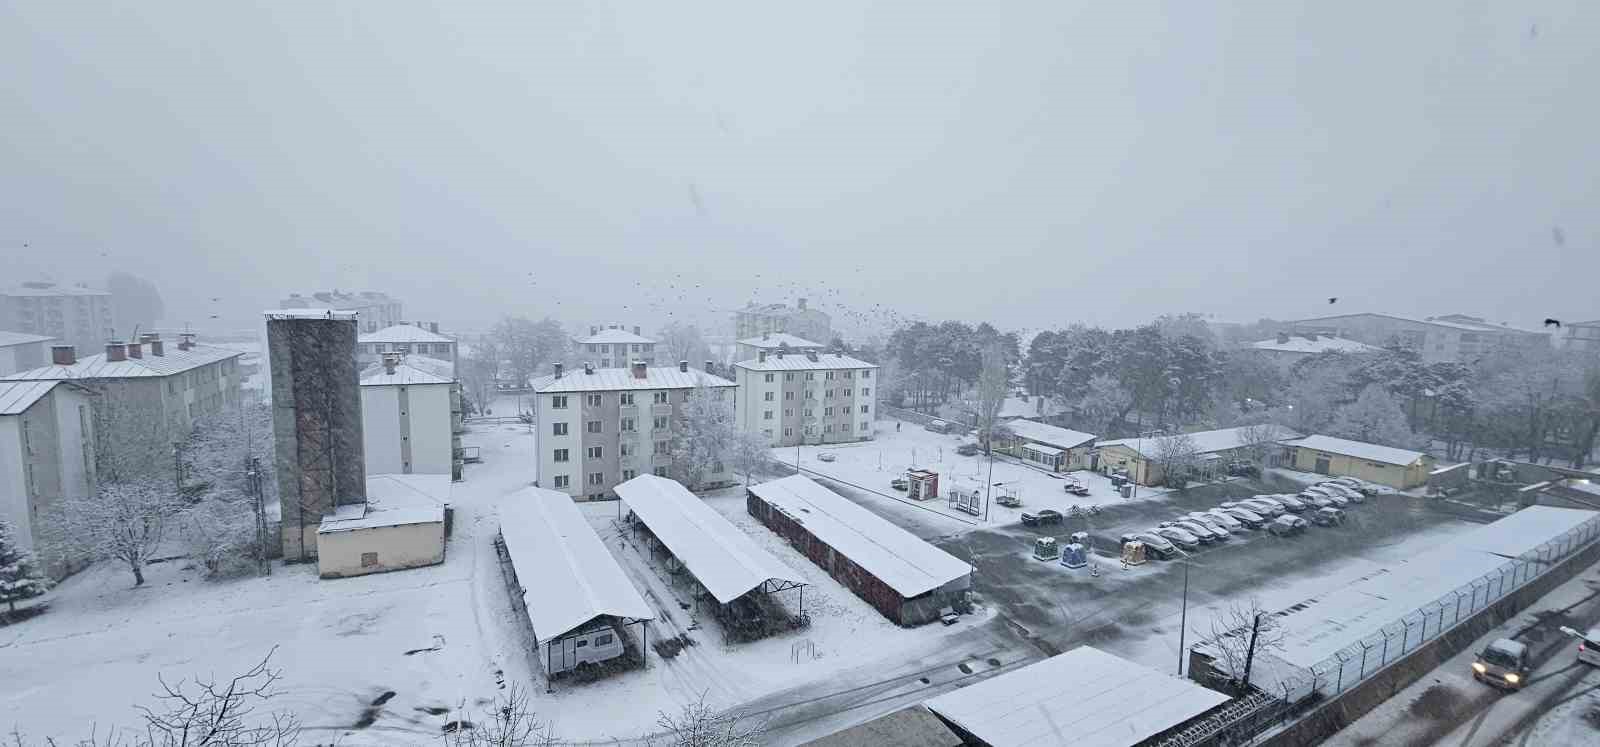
<point>1589,647</point>
<point>589,647</point>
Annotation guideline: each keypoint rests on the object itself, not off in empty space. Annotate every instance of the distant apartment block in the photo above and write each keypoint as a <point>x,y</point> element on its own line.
<point>755,320</point>
<point>407,339</point>
<point>1289,348</point>
<point>47,456</point>
<point>599,427</point>
<point>20,351</point>
<point>374,310</point>
<point>811,397</point>
<point>1452,337</point>
<point>73,315</point>
<point>615,347</point>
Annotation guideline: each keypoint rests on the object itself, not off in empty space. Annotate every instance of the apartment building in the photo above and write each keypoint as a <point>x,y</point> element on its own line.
<point>614,347</point>
<point>1452,337</point>
<point>374,310</point>
<point>771,342</point>
<point>410,418</point>
<point>811,397</point>
<point>755,320</point>
<point>414,338</point>
<point>74,315</point>
<point>47,456</point>
<point>599,427</point>
<point>20,351</point>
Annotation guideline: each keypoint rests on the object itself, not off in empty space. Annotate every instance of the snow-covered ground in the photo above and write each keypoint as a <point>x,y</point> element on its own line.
<point>872,464</point>
<point>436,637</point>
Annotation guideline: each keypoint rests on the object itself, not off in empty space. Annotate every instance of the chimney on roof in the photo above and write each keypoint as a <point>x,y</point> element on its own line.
<point>683,366</point>
<point>761,356</point>
<point>63,355</point>
<point>157,348</point>
<point>588,367</point>
<point>116,351</point>
<point>711,366</point>
<point>593,330</point>
<point>185,340</point>
<point>802,304</point>
<point>558,370</point>
<point>433,327</point>
<point>811,355</point>
<point>149,337</point>
<point>390,360</point>
<point>1283,338</point>
<point>640,370</point>
<point>765,335</point>
<point>636,330</point>
<point>135,350</point>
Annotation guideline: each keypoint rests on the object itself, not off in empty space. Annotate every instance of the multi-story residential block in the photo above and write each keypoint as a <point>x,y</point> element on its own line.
<point>47,455</point>
<point>1287,349</point>
<point>755,320</point>
<point>1453,337</point>
<point>74,315</point>
<point>771,342</point>
<point>615,347</point>
<point>602,426</point>
<point>374,310</point>
<point>20,351</point>
<point>410,418</point>
<point>149,395</point>
<point>415,338</point>
<point>1581,336</point>
<point>808,397</point>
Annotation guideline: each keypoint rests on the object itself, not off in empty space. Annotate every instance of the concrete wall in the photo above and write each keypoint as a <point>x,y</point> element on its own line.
<point>407,546</point>
<point>23,357</point>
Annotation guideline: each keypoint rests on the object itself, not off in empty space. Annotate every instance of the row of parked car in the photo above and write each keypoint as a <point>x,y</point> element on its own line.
<point>1324,504</point>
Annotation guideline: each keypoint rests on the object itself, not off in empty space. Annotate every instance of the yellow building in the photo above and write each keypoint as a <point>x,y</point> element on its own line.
<point>1140,458</point>
<point>1384,465</point>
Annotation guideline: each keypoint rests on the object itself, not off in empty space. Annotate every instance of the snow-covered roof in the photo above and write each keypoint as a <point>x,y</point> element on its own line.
<point>1318,628</point>
<point>1046,450</point>
<point>17,396</point>
<point>773,340</point>
<point>721,557</point>
<point>618,379</point>
<point>1084,697</point>
<point>404,333</point>
<point>906,563</point>
<point>1045,433</point>
<point>7,339</point>
<point>1358,449</point>
<point>611,336</point>
<point>50,289</point>
<point>393,501</point>
<point>1205,442</point>
<point>281,314</point>
<point>172,361</point>
<point>404,374</point>
<point>1299,343</point>
<point>803,362</point>
<point>1458,324</point>
<point>568,577</point>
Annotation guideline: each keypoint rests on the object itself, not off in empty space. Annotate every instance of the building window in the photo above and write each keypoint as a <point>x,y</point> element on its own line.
<point>866,374</point>
<point>864,427</point>
<point>811,376</point>
<point>766,415</point>
<point>627,448</point>
<point>593,400</point>
<point>626,398</point>
<point>866,391</point>
<point>597,478</point>
<point>629,474</point>
<point>788,396</point>
<point>768,396</point>
<point>717,467</point>
<point>660,422</point>
<point>685,395</point>
<point>558,402</point>
<point>827,428</point>
<point>769,378</point>
<point>849,374</point>
<point>627,425</point>
<point>636,347</point>
<point>660,471</point>
<point>594,426</point>
<point>659,398</point>
<point>810,412</point>
<point>788,412</point>
<point>561,455</point>
<point>369,559</point>
<point>661,447</point>
<point>788,431</point>
<point>827,412</point>
<point>810,394</point>
<point>810,429</point>
<point>828,375</point>
<point>864,409</point>
<point>595,452</point>
<point>558,429</point>
<point>563,481</point>
<point>788,377</point>
<point>847,392</point>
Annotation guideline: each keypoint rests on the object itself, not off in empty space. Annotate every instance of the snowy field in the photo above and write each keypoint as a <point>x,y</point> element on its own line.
<point>872,464</point>
<point>436,638</point>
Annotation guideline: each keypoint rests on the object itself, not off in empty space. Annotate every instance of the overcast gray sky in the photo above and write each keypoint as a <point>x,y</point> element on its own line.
<point>1033,163</point>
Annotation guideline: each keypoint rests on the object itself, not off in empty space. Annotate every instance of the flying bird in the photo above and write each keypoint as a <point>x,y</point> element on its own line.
<point>1553,323</point>
<point>1558,236</point>
<point>1335,299</point>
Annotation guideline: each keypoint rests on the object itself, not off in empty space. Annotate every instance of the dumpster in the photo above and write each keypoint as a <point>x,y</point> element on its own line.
<point>1073,556</point>
<point>1133,553</point>
<point>1081,538</point>
<point>1045,548</point>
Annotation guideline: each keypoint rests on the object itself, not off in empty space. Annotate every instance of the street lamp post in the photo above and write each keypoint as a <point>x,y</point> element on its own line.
<point>1183,621</point>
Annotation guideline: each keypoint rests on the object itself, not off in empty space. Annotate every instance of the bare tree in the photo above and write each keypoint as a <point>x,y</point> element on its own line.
<point>994,382</point>
<point>683,342</point>
<point>125,521</point>
<point>1257,441</point>
<point>1230,637</point>
<point>209,712</point>
<point>1177,456</point>
<point>699,725</point>
<point>507,722</point>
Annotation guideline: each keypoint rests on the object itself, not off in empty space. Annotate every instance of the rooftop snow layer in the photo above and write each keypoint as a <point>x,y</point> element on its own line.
<point>280,314</point>
<point>802,362</point>
<point>18,396</point>
<point>1084,697</point>
<point>721,557</point>
<point>50,289</point>
<point>1323,344</point>
<point>1205,442</point>
<point>1358,449</point>
<point>616,379</point>
<point>404,333</point>
<point>404,374</point>
<point>613,336</point>
<point>907,564</point>
<point>568,578</point>
<point>7,339</point>
<point>172,361</point>
<point>1051,435</point>
<point>392,501</point>
<point>773,340</point>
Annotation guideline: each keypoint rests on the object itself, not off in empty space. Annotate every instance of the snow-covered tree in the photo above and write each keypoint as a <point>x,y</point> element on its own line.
<point>698,724</point>
<point>994,383</point>
<point>1230,636</point>
<point>220,529</point>
<point>1102,406</point>
<point>1177,456</point>
<point>125,521</point>
<point>1258,439</point>
<point>20,575</point>
<point>703,437</point>
<point>682,342</point>
<point>1375,418</point>
<point>748,454</point>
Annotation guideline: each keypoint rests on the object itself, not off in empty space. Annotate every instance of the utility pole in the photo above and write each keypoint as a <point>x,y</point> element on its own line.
<point>1183,622</point>
<point>253,479</point>
<point>1250,653</point>
<point>988,488</point>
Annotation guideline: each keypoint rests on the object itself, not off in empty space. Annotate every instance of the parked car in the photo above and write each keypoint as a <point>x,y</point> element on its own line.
<point>1349,493</point>
<point>1287,526</point>
<point>1264,507</point>
<point>826,457</point>
<point>938,426</point>
<point>969,449</point>
<point>1074,487</point>
<point>900,483</point>
<point>1503,663</point>
<point>1211,525</point>
<point>1365,488</point>
<point>1317,499</point>
<point>1153,543</point>
<point>1044,517</point>
<point>1222,520</point>
<point>1206,536</point>
<point>1588,644</point>
<point>1328,517</point>
<point>947,615</point>
<point>1290,503</point>
<point>1244,515</point>
<point>1179,537</point>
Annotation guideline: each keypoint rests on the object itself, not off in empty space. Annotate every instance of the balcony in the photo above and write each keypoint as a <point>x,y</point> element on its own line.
<point>661,409</point>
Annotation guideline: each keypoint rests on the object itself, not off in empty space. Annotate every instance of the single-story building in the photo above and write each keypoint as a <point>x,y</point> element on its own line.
<point>1084,697</point>
<point>401,525</point>
<point>1384,465</point>
<point>577,600</point>
<point>1048,446</point>
<point>900,575</point>
<point>1140,458</point>
<point>912,726</point>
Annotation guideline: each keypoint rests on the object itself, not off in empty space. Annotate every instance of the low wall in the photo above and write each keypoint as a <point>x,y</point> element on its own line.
<point>1345,708</point>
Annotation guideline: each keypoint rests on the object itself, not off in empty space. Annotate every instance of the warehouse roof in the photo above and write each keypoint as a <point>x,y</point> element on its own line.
<point>774,340</point>
<point>724,560</point>
<point>802,362</point>
<point>404,333</point>
<point>172,361</point>
<point>1083,697</point>
<point>899,558</point>
<point>1358,449</point>
<point>7,339</point>
<point>568,578</point>
<point>1205,442</point>
<point>616,379</point>
<point>1051,435</point>
<point>17,396</point>
<point>912,726</point>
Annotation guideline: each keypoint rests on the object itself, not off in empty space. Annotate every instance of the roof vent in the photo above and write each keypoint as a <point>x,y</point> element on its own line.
<point>761,356</point>
<point>157,348</point>
<point>593,330</point>
<point>558,370</point>
<point>711,366</point>
<point>683,366</point>
<point>135,350</point>
<point>636,330</point>
<point>811,355</point>
<point>116,351</point>
<point>63,355</point>
<point>185,340</point>
<point>640,371</point>
<point>588,367</point>
<point>390,360</point>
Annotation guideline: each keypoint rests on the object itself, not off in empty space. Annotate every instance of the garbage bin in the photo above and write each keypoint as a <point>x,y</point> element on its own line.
<point>1127,490</point>
<point>1117,480</point>
<point>1081,538</point>
<point>1073,556</point>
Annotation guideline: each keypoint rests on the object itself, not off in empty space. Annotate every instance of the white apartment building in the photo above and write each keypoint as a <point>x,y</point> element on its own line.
<point>615,347</point>
<point>410,339</point>
<point>410,420</point>
<point>598,427</point>
<point>47,455</point>
<point>756,319</point>
<point>73,314</point>
<point>20,351</point>
<point>809,397</point>
<point>374,309</point>
<point>771,342</point>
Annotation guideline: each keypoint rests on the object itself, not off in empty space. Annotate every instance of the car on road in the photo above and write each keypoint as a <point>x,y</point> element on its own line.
<point>1290,503</point>
<point>1244,515</point>
<point>1503,663</point>
<point>1328,517</point>
<point>1222,520</point>
<point>1044,517</point>
<point>1179,537</point>
<point>969,449</point>
<point>900,483</point>
<point>1153,543</point>
<point>826,457</point>
<point>1200,532</point>
<point>1287,526</point>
